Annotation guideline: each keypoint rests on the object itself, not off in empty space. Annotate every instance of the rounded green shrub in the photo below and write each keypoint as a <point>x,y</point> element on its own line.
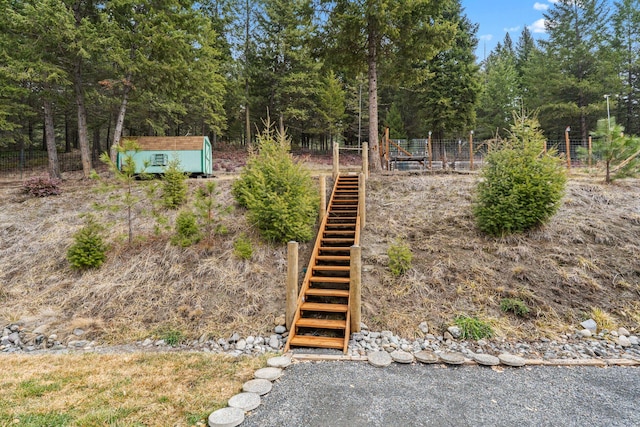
<point>88,249</point>
<point>473,328</point>
<point>174,185</point>
<point>400,258</point>
<point>242,247</point>
<point>187,231</point>
<point>521,186</point>
<point>278,193</point>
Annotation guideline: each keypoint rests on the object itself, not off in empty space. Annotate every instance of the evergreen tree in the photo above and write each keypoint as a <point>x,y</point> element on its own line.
<point>449,95</point>
<point>287,76</point>
<point>626,44</point>
<point>569,77</point>
<point>403,32</point>
<point>500,94</point>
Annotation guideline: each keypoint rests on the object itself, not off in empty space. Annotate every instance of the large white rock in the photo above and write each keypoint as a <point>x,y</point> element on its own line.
<point>279,362</point>
<point>270,374</point>
<point>226,417</point>
<point>379,359</point>
<point>511,360</point>
<point>245,401</point>
<point>258,386</point>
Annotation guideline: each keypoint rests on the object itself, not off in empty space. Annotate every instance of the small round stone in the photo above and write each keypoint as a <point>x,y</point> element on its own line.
<point>226,417</point>
<point>258,386</point>
<point>270,374</point>
<point>401,356</point>
<point>379,359</point>
<point>452,358</point>
<point>279,362</point>
<point>245,401</point>
<point>486,359</point>
<point>426,357</point>
<point>511,360</point>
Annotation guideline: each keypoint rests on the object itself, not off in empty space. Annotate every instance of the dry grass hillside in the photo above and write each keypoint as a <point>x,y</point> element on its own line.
<point>586,261</point>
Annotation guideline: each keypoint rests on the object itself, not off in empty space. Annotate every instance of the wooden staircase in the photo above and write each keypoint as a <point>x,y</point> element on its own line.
<point>323,313</point>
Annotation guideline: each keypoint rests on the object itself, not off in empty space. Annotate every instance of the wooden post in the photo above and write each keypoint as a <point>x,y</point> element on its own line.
<point>365,158</point>
<point>362,185</point>
<point>323,196</point>
<point>292,282</point>
<point>471,150</point>
<point>355,283</point>
<point>386,146</point>
<point>566,137</point>
<point>590,151</point>
<point>336,161</point>
<point>429,151</point>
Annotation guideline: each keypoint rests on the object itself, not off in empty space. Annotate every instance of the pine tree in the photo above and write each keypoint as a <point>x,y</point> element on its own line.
<point>570,79</point>
<point>626,45</point>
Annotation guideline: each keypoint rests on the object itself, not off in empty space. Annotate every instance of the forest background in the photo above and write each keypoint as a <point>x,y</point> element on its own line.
<point>80,74</point>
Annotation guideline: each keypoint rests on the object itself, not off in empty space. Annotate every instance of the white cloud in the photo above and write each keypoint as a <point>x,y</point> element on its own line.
<point>553,1</point>
<point>538,26</point>
<point>511,29</point>
<point>486,37</point>
<point>540,6</point>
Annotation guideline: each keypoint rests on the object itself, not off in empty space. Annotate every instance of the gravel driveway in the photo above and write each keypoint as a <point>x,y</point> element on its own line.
<point>356,394</point>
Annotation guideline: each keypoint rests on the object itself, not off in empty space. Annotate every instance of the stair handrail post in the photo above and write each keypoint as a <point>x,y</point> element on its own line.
<point>355,283</point>
<point>323,196</point>
<point>362,185</point>
<point>292,283</point>
<point>365,158</point>
<point>336,160</point>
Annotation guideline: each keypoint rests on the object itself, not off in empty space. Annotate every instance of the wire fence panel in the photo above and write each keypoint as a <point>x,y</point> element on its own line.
<point>16,164</point>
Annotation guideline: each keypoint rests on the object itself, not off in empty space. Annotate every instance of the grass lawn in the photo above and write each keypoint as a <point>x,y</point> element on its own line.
<point>137,389</point>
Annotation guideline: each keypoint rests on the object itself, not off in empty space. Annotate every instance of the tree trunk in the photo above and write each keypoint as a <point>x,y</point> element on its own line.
<point>117,133</point>
<point>374,153</point>
<point>67,141</point>
<point>50,138</point>
<point>83,139</point>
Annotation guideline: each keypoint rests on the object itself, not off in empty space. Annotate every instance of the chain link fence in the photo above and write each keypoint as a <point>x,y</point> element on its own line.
<point>16,164</point>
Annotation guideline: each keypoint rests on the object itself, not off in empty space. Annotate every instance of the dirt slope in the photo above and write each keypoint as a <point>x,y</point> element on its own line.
<point>589,256</point>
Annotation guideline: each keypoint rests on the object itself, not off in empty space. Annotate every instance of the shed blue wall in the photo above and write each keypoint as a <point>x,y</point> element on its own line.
<point>191,161</point>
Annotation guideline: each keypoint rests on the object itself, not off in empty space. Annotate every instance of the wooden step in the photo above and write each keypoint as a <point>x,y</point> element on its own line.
<point>337,240</point>
<point>318,279</point>
<point>339,233</point>
<point>331,268</point>
<point>333,257</point>
<point>312,341</point>
<point>319,292</point>
<point>329,308</point>
<point>304,322</point>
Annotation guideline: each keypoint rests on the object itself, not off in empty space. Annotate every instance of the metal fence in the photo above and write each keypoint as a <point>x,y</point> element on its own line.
<point>463,154</point>
<point>451,154</point>
<point>16,164</point>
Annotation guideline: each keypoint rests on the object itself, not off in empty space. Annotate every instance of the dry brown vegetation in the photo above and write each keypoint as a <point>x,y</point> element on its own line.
<point>586,259</point>
<point>157,389</point>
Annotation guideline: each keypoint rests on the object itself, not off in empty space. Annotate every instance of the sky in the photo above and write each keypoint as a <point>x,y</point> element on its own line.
<point>497,17</point>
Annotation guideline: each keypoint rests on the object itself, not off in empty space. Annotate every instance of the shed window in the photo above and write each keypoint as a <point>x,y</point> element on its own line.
<point>159,160</point>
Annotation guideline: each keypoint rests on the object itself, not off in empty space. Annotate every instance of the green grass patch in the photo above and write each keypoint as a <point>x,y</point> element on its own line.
<point>473,328</point>
<point>515,306</point>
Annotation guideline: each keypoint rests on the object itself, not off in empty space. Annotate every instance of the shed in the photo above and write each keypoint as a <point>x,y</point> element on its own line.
<point>194,153</point>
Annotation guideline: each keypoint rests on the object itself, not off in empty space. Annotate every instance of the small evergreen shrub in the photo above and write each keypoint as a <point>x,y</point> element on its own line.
<point>473,328</point>
<point>187,231</point>
<point>515,306</point>
<point>400,258</point>
<point>278,193</point>
<point>174,185</point>
<point>242,247</point>
<point>42,186</point>
<point>209,210</point>
<point>521,187</point>
<point>88,249</point>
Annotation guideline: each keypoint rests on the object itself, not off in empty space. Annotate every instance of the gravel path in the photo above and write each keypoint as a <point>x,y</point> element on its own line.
<point>356,394</point>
